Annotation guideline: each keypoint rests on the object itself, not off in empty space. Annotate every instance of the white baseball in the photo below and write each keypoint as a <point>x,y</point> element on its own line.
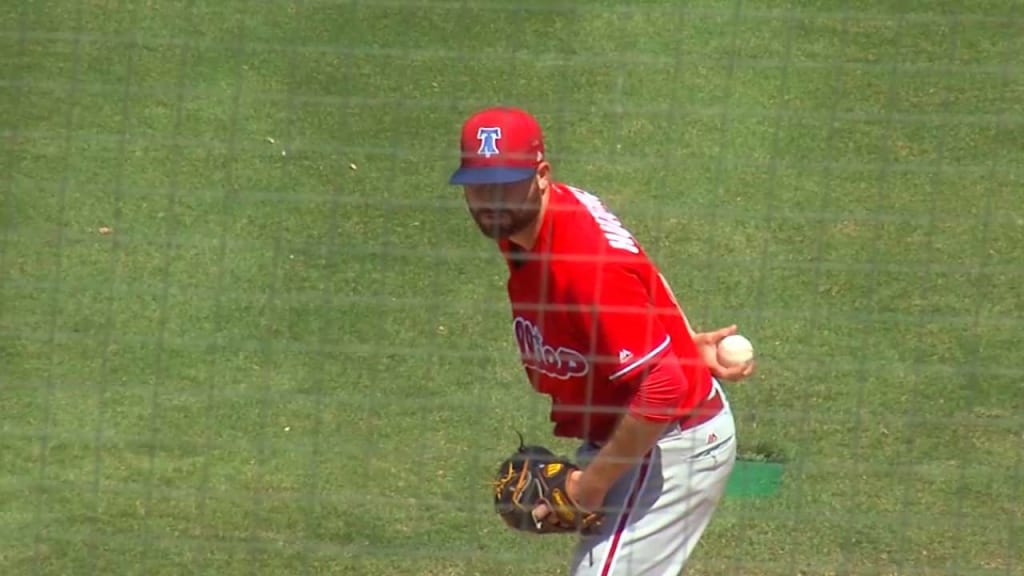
<point>735,350</point>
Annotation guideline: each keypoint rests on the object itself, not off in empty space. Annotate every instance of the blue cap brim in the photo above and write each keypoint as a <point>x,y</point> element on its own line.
<point>491,175</point>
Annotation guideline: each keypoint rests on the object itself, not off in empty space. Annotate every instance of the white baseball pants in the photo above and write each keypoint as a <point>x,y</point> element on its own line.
<point>658,510</point>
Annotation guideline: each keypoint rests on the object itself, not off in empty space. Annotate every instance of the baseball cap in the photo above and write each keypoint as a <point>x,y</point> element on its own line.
<point>499,144</point>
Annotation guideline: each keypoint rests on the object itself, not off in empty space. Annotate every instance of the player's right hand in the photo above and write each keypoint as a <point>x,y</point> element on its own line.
<point>707,343</point>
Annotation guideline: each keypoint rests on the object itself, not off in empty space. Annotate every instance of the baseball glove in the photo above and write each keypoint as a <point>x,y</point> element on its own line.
<point>534,475</point>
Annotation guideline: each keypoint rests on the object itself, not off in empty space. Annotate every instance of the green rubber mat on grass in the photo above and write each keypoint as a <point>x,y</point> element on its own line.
<point>754,479</point>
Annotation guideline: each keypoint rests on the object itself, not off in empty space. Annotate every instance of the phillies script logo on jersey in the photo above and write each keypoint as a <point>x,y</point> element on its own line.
<point>558,362</point>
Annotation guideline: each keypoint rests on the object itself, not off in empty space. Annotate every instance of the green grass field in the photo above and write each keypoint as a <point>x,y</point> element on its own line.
<point>295,357</point>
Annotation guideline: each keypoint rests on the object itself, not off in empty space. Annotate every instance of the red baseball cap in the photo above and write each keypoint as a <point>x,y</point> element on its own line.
<point>499,145</point>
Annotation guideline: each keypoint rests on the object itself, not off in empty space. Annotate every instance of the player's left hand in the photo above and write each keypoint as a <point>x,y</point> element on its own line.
<point>707,343</point>
<point>585,499</point>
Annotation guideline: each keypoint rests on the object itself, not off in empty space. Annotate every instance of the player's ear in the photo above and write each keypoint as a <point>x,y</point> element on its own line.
<point>543,176</point>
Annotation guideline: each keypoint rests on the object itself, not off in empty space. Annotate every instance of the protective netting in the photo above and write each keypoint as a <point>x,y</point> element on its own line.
<point>247,328</point>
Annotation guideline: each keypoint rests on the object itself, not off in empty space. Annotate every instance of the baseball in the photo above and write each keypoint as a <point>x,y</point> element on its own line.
<point>735,350</point>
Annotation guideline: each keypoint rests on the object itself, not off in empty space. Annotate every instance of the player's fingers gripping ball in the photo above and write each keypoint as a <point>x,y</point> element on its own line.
<point>531,476</point>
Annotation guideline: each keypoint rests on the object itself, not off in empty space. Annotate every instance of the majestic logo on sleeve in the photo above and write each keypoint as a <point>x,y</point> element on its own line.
<point>488,138</point>
<point>559,362</point>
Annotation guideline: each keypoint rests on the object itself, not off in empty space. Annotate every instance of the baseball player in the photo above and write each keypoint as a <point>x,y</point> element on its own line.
<point>600,332</point>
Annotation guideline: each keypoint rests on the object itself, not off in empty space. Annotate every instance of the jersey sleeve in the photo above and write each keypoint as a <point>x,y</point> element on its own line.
<point>660,395</point>
<point>621,322</point>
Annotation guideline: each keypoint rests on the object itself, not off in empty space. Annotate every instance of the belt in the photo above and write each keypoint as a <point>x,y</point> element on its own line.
<point>704,411</point>
<point>711,406</point>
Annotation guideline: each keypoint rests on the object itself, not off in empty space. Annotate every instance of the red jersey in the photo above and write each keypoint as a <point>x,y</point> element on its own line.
<point>590,312</point>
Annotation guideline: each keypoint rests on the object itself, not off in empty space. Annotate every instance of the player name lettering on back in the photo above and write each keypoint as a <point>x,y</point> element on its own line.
<point>559,362</point>
<point>616,234</point>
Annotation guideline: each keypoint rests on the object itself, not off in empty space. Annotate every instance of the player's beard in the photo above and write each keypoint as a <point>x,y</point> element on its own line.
<point>508,211</point>
<point>499,224</point>
<point>504,221</point>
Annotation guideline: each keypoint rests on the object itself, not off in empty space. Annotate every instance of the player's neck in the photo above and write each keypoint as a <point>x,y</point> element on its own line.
<point>527,238</point>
